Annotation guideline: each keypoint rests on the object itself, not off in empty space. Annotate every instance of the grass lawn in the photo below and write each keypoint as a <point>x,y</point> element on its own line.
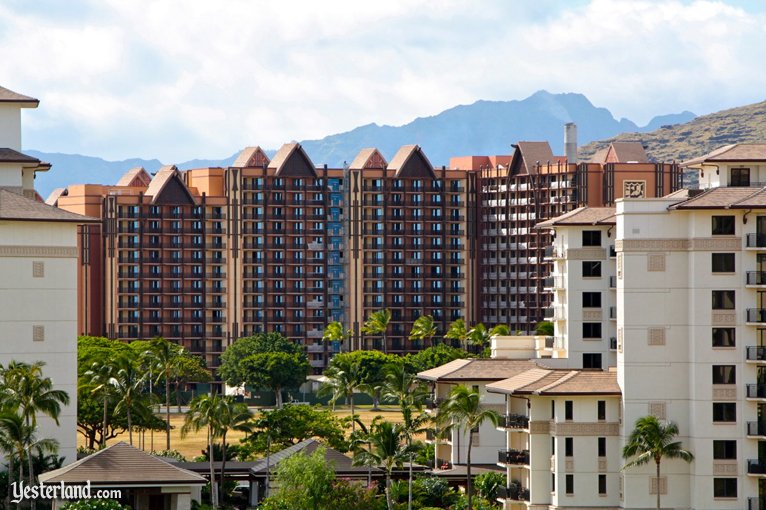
<point>193,444</point>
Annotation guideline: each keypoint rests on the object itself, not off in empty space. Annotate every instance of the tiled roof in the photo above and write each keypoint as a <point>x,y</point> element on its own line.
<point>401,156</point>
<point>477,369</point>
<point>725,198</point>
<point>365,159</point>
<point>17,207</point>
<point>341,463</point>
<point>53,198</point>
<point>9,96</point>
<point>12,156</point>
<point>732,153</point>
<point>122,464</point>
<point>250,157</point>
<point>534,152</point>
<point>583,216</point>
<point>128,177</point>
<point>559,382</point>
<point>626,152</point>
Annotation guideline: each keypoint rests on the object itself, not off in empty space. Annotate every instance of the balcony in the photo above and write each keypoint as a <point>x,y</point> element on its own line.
<point>756,315</point>
<point>612,252</point>
<point>755,278</point>
<point>756,467</point>
<point>514,421</point>
<point>756,429</point>
<point>757,241</point>
<point>755,354</point>
<point>612,343</point>
<point>756,391</point>
<point>613,313</point>
<point>514,457</point>
<point>756,503</point>
<point>612,282</point>
<point>514,493</point>
<point>433,403</point>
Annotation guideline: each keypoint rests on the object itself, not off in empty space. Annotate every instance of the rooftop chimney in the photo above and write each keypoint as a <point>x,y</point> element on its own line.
<point>570,142</point>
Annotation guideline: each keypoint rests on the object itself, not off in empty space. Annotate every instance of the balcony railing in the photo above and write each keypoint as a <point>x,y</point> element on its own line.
<point>756,503</point>
<point>756,240</point>
<point>514,421</point>
<point>756,467</point>
<point>513,457</point>
<point>612,282</point>
<point>756,278</point>
<point>612,252</point>
<point>755,353</point>
<point>515,493</point>
<point>756,428</point>
<point>756,391</point>
<point>433,403</point>
<point>756,315</point>
<point>613,343</point>
<point>612,312</point>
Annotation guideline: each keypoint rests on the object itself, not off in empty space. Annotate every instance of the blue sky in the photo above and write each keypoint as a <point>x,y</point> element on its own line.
<point>180,79</point>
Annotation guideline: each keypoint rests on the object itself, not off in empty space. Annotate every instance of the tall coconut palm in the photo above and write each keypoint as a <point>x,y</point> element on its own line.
<point>31,393</point>
<point>343,379</point>
<point>424,328</point>
<point>164,358</point>
<point>377,324</point>
<point>480,336</point>
<point>387,450</point>
<point>127,382</point>
<point>99,379</point>
<point>403,387</point>
<point>202,413</point>
<point>651,440</point>
<point>334,332</point>
<point>458,331</point>
<point>230,415</point>
<point>463,408</point>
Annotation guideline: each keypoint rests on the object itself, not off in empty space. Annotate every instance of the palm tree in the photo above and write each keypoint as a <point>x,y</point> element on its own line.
<point>343,379</point>
<point>480,336</point>
<point>403,387</point>
<point>424,328</point>
<point>386,450</point>
<point>377,324</point>
<point>164,359</point>
<point>463,408</point>
<point>334,332</point>
<point>651,440</point>
<point>31,394</point>
<point>99,377</point>
<point>458,331</point>
<point>202,413</point>
<point>127,383</point>
<point>230,415</point>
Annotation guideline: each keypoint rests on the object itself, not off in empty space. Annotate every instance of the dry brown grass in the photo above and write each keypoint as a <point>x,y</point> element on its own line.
<point>192,445</point>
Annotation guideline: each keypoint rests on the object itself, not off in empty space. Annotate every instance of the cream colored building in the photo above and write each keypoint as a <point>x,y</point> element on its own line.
<point>38,273</point>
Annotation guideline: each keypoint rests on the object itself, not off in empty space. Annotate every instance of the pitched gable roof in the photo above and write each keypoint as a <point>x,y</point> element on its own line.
<point>410,161</point>
<point>168,188</point>
<point>725,198</point>
<point>251,157</point>
<point>135,177</point>
<point>558,382</point>
<point>341,463</point>
<point>9,96</point>
<point>122,464</point>
<point>583,216</point>
<point>477,369</point>
<point>57,193</point>
<point>292,161</point>
<point>368,159</point>
<point>526,156</point>
<point>15,207</point>
<point>738,152</point>
<point>625,152</point>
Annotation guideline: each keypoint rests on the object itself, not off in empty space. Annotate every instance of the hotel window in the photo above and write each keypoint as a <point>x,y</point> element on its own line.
<point>723,225</point>
<point>591,268</point>
<point>724,374</point>
<point>553,482</point>
<point>723,262</point>
<point>602,484</point>
<point>724,337</point>
<point>723,300</point>
<point>569,481</point>
<point>591,300</point>
<point>569,446</point>
<point>591,360</point>
<point>725,450</point>
<point>602,447</point>
<point>568,410</point>
<point>591,238</point>
<point>591,330</point>
<point>740,177</point>
<point>724,487</point>
<point>724,412</point>
<point>601,410</point>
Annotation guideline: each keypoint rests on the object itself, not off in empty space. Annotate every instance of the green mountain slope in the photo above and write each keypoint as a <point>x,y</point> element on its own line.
<point>744,124</point>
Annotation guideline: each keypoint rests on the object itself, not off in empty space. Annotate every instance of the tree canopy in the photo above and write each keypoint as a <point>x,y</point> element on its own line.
<point>275,370</point>
<point>231,369</point>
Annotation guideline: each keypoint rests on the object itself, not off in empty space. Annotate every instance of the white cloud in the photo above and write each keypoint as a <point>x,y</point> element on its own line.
<point>175,79</point>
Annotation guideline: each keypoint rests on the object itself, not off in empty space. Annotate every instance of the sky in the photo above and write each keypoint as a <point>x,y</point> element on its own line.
<point>183,79</point>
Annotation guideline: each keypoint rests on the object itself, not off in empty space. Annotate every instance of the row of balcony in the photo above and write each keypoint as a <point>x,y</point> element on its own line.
<point>513,457</point>
<point>514,493</point>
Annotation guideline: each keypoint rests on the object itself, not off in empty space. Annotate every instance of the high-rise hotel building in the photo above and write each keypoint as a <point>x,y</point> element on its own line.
<point>206,256</point>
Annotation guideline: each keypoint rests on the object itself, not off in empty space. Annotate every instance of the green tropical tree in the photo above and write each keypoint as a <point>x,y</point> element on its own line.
<point>544,328</point>
<point>343,379</point>
<point>230,415</point>
<point>387,450</point>
<point>463,408</point>
<point>651,440</point>
<point>276,371</point>
<point>377,324</point>
<point>99,379</point>
<point>202,413</point>
<point>424,328</point>
<point>334,332</point>
<point>127,382</point>
<point>164,359</point>
<point>458,331</point>
<point>481,337</point>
